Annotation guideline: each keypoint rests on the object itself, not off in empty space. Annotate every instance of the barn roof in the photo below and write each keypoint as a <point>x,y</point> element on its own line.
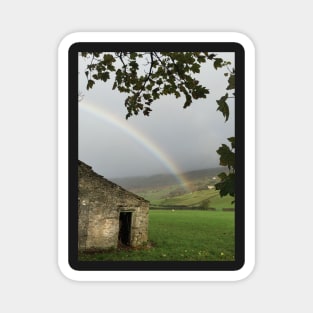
<point>85,172</point>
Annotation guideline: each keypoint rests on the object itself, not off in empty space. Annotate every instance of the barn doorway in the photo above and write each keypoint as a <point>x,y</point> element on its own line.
<point>125,228</point>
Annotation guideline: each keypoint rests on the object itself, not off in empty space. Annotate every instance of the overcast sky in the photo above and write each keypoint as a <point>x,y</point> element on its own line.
<point>170,139</point>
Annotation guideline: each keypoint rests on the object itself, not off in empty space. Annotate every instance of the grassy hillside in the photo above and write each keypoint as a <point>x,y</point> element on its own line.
<point>210,198</point>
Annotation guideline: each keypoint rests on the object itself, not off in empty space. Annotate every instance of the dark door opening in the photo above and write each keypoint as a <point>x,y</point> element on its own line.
<point>125,227</point>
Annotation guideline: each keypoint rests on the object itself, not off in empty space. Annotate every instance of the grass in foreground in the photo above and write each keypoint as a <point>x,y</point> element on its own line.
<point>181,236</point>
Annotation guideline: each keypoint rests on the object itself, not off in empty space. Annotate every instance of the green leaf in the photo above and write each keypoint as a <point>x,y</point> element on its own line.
<point>227,184</point>
<point>146,96</point>
<point>134,65</point>
<point>159,81</point>
<point>90,84</point>
<point>133,55</point>
<point>223,106</point>
<point>150,86</point>
<point>111,67</point>
<point>195,68</point>
<point>177,94</point>
<point>218,63</point>
<point>201,59</point>
<point>104,76</point>
<point>231,82</point>
<point>222,176</point>
<point>146,111</point>
<point>227,157</point>
<point>108,59</point>
<point>188,100</point>
<point>232,141</point>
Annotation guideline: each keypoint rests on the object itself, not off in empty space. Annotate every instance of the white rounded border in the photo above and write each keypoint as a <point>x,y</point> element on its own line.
<point>64,266</point>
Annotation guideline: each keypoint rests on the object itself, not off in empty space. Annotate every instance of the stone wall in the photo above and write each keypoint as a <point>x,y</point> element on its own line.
<point>100,203</point>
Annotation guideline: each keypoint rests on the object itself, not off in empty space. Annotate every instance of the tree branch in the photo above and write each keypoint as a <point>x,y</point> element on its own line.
<point>149,74</point>
<point>120,57</point>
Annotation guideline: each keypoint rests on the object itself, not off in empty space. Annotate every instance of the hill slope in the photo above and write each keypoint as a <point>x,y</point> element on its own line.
<point>144,183</point>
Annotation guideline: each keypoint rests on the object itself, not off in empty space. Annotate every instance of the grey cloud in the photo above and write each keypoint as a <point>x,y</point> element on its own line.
<point>190,137</point>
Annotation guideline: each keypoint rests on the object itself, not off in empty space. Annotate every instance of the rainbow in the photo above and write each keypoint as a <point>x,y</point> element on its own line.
<point>142,139</point>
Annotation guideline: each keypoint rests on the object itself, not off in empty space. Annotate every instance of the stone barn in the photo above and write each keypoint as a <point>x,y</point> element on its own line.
<point>108,215</point>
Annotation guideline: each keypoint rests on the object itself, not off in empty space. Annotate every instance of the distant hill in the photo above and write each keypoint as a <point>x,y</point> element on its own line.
<point>205,173</point>
<point>141,183</point>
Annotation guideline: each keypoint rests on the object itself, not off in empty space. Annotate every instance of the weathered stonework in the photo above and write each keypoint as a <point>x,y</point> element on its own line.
<point>108,214</point>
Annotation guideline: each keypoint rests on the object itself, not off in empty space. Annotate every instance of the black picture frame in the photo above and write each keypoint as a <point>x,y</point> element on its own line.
<point>73,126</point>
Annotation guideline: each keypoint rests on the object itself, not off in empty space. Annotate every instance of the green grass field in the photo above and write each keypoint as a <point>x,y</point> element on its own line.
<point>180,236</point>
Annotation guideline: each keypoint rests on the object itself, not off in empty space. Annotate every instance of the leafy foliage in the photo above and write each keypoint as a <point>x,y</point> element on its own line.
<point>227,158</point>
<point>166,73</point>
<point>223,106</point>
<point>227,154</point>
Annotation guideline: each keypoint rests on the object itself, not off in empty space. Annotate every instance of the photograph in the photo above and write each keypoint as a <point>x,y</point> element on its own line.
<point>155,156</point>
